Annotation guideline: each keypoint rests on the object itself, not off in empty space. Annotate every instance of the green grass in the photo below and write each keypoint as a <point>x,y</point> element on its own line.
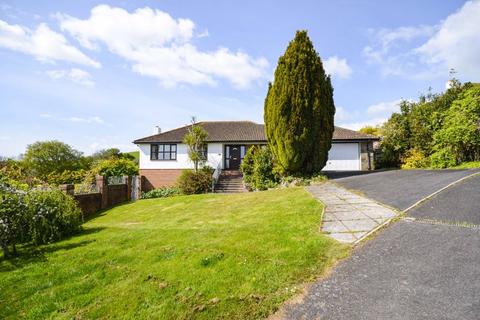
<point>468,165</point>
<point>168,258</point>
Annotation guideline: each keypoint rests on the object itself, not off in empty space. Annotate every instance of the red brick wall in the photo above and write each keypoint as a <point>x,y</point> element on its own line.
<point>156,178</point>
<point>89,203</point>
<point>116,194</point>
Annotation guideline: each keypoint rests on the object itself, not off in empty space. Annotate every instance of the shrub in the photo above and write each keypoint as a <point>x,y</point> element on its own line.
<point>191,182</point>
<point>161,193</point>
<point>246,167</point>
<point>66,177</point>
<point>13,220</point>
<point>258,169</point>
<point>53,215</point>
<point>443,158</point>
<point>115,168</point>
<point>415,158</point>
<point>264,174</point>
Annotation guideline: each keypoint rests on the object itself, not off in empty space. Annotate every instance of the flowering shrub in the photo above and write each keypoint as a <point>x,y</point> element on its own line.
<point>37,216</point>
<point>13,220</point>
<point>53,215</point>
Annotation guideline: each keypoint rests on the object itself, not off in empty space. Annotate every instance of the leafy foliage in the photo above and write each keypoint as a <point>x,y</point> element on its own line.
<point>195,140</point>
<point>18,171</point>
<point>195,182</point>
<point>373,130</point>
<point>415,158</point>
<point>444,129</point>
<point>161,193</point>
<point>116,167</point>
<point>258,169</point>
<point>45,157</point>
<point>53,215</point>
<point>66,177</point>
<point>458,140</point>
<point>13,219</point>
<point>299,110</point>
<point>37,216</point>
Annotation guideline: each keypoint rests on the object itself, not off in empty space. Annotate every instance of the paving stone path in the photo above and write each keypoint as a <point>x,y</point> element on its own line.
<point>349,217</point>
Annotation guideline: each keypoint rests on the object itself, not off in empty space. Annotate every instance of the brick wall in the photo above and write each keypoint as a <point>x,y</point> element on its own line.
<point>106,197</point>
<point>116,194</point>
<point>89,203</point>
<point>156,178</point>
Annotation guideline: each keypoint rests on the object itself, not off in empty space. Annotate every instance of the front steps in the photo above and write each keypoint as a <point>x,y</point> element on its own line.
<point>230,181</point>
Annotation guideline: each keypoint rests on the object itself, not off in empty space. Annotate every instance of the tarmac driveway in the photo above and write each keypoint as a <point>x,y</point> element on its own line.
<point>458,204</point>
<point>399,188</point>
<point>426,268</point>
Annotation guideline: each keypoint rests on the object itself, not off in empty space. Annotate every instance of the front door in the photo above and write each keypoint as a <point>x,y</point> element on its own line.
<point>232,157</point>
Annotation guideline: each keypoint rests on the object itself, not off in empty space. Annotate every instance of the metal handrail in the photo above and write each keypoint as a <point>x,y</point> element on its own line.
<point>216,175</point>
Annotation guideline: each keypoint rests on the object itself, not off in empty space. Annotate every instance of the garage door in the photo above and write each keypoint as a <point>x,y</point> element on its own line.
<point>343,156</point>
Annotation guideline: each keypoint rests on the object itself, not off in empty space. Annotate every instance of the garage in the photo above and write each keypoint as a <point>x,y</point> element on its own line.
<point>343,157</point>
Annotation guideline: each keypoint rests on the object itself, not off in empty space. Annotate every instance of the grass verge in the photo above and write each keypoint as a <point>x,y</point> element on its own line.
<point>207,256</point>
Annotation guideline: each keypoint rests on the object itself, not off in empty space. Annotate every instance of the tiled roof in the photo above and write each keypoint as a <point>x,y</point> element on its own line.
<point>241,131</point>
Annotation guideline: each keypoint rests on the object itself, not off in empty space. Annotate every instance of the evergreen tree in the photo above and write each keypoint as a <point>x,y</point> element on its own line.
<point>299,110</point>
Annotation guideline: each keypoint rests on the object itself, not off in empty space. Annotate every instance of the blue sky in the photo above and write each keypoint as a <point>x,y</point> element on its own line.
<point>101,74</point>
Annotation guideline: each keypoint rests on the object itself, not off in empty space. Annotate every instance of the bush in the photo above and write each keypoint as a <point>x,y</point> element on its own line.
<point>37,216</point>
<point>443,158</point>
<point>161,193</point>
<point>116,167</point>
<point>66,177</point>
<point>258,169</point>
<point>191,182</point>
<point>13,219</point>
<point>246,167</point>
<point>415,158</point>
<point>53,215</point>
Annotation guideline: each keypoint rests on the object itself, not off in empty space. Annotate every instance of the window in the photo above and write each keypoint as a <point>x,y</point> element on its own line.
<point>163,152</point>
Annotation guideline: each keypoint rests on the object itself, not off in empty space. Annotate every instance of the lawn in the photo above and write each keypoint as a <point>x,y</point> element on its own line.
<point>208,256</point>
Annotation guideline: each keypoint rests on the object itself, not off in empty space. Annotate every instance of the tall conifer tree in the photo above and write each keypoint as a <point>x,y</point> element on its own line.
<point>299,110</point>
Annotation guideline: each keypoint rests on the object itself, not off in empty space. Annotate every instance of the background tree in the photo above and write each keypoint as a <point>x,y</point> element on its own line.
<point>45,157</point>
<point>373,130</point>
<point>299,110</point>
<point>439,130</point>
<point>195,140</point>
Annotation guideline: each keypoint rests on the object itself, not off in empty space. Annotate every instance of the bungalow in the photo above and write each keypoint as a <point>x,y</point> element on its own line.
<point>163,155</point>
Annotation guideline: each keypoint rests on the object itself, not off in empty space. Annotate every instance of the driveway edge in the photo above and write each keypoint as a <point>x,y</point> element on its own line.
<point>440,190</point>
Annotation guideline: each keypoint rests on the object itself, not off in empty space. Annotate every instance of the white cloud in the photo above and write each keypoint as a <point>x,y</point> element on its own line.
<point>425,52</point>
<point>342,115</point>
<point>97,120</point>
<point>88,120</point>
<point>43,43</point>
<point>384,108</point>
<point>456,44</point>
<point>76,75</point>
<point>357,125</point>
<point>159,46</point>
<point>337,67</point>
<point>377,114</point>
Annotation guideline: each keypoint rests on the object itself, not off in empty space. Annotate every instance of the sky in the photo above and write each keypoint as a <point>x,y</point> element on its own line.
<point>101,74</point>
